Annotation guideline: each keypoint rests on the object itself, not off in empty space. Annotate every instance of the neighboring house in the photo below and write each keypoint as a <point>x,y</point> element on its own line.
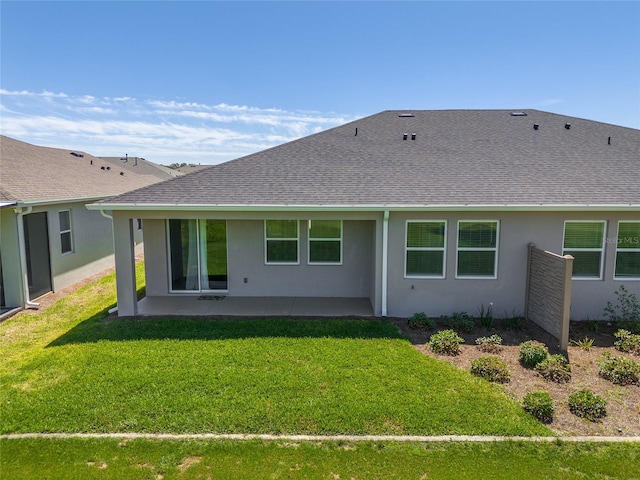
<point>417,211</point>
<point>48,238</point>
<point>142,167</point>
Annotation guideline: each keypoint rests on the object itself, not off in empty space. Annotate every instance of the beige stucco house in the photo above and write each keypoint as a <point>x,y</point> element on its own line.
<point>408,211</point>
<point>48,238</point>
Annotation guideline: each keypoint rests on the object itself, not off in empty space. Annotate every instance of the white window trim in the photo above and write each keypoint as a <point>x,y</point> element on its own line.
<point>297,239</point>
<point>310,239</point>
<point>69,231</point>
<point>634,250</point>
<point>601,249</point>
<point>426,249</point>
<point>478,249</point>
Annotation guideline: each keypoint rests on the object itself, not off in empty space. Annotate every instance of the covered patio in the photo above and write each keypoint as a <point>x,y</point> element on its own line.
<point>220,305</point>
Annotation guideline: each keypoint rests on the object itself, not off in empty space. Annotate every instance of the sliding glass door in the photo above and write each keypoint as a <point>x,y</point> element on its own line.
<point>198,255</point>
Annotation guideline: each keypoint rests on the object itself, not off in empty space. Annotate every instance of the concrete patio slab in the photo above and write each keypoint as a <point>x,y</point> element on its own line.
<point>220,305</point>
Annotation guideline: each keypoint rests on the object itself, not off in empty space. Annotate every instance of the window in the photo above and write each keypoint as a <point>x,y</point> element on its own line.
<point>66,240</point>
<point>585,242</point>
<point>424,249</point>
<point>325,241</point>
<point>197,255</point>
<point>628,251</point>
<point>139,223</point>
<point>477,249</point>
<point>281,239</point>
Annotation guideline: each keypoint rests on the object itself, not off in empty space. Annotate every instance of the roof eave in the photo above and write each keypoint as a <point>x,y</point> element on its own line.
<point>54,201</point>
<point>362,207</point>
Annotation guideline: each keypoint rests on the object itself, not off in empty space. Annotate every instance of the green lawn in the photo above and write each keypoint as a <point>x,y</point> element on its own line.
<point>65,370</point>
<point>148,459</point>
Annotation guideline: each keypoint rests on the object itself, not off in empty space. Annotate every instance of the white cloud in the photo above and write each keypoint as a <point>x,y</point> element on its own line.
<point>160,130</point>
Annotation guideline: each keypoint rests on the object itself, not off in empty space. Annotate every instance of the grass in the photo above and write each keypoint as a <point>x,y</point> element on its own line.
<point>66,370</point>
<point>148,459</point>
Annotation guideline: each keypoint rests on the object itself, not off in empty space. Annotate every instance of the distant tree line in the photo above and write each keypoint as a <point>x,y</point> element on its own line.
<point>175,166</point>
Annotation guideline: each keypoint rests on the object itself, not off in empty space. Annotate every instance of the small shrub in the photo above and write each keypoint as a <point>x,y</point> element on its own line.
<point>420,320</point>
<point>540,405</point>
<point>627,341</point>
<point>585,344</point>
<point>492,344</point>
<point>491,368</point>
<point>514,322</point>
<point>593,326</point>
<point>461,321</point>
<point>619,370</point>
<point>532,353</point>
<point>555,368</point>
<point>445,342</point>
<point>626,312</point>
<point>586,404</point>
<point>486,316</point>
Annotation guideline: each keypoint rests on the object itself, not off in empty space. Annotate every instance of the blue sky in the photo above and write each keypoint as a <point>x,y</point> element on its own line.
<point>205,82</point>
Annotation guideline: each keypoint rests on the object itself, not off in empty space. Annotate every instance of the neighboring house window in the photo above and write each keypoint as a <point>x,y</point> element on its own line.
<point>477,249</point>
<point>585,242</point>
<point>139,223</point>
<point>281,241</point>
<point>66,239</point>
<point>325,241</point>
<point>628,251</point>
<point>425,249</point>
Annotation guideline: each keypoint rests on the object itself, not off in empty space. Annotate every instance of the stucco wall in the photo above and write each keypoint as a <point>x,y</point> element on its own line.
<point>360,275</point>
<point>444,296</point>
<point>92,244</point>
<point>245,246</point>
<point>10,258</point>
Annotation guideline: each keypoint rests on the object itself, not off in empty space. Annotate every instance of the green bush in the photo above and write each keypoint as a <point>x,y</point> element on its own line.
<point>445,342</point>
<point>420,320</point>
<point>491,368</point>
<point>492,344</point>
<point>540,405</point>
<point>460,321</point>
<point>532,353</point>
<point>627,341</point>
<point>626,312</point>
<point>619,370</point>
<point>513,322</point>
<point>555,368</point>
<point>587,404</point>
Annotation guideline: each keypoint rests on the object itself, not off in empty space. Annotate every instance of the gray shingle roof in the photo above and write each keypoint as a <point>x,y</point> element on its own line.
<point>458,157</point>
<point>31,173</point>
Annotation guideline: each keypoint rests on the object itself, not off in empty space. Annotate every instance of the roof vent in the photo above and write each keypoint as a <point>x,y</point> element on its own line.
<point>518,114</point>
<point>406,115</point>
<point>102,167</point>
<point>413,136</point>
<point>108,168</point>
<point>77,154</point>
<point>567,126</point>
<point>536,126</point>
<point>122,173</point>
<point>404,136</point>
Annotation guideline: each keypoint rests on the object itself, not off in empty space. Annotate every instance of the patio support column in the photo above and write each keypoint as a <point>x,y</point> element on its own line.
<point>385,260</point>
<point>124,249</point>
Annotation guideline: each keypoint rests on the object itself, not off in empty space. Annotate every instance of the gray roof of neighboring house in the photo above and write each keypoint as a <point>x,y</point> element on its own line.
<point>30,173</point>
<point>458,158</point>
<point>142,166</point>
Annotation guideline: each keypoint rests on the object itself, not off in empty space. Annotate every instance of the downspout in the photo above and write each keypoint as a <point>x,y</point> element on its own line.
<point>385,260</point>
<point>110,217</point>
<point>20,213</point>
